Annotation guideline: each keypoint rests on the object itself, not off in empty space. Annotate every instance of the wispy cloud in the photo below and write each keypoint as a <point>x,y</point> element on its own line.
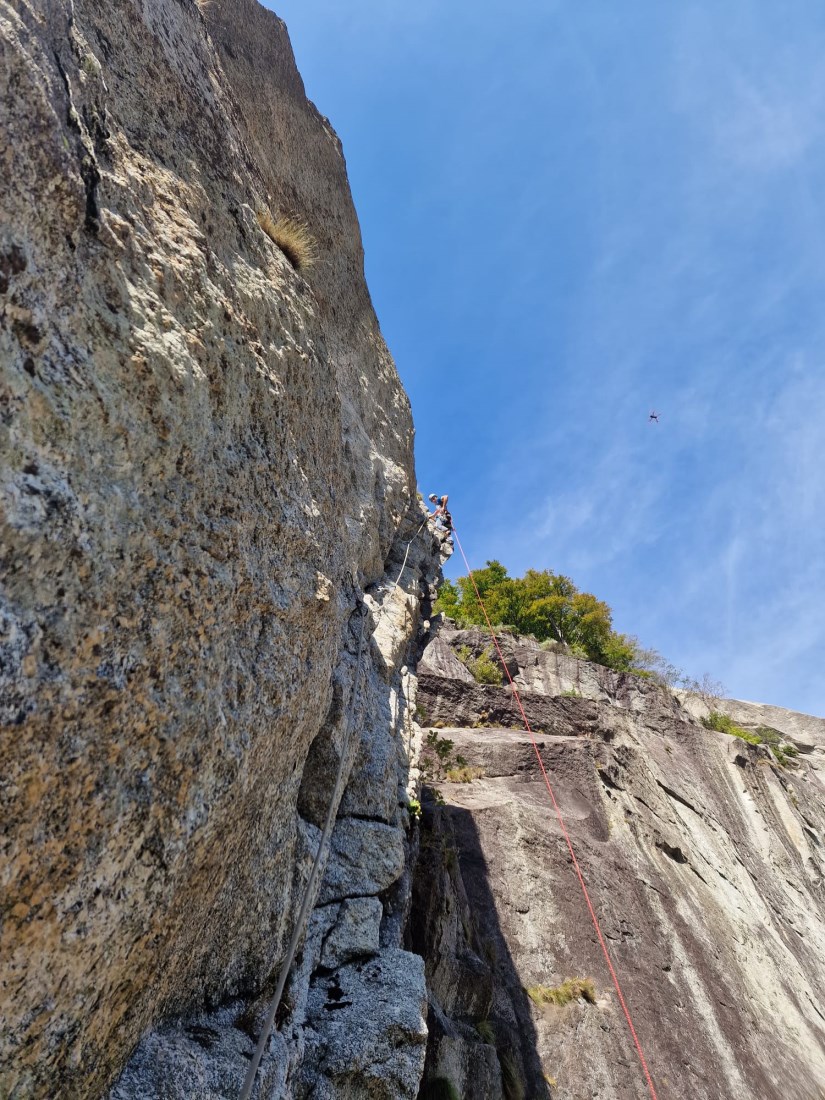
<point>758,99</point>
<point>573,215</point>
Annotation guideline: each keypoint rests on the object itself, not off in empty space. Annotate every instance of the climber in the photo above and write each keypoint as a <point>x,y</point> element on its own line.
<point>443,519</point>
<point>654,416</point>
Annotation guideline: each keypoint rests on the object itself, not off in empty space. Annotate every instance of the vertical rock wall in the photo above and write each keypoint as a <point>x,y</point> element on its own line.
<point>204,457</point>
<point>352,1022</point>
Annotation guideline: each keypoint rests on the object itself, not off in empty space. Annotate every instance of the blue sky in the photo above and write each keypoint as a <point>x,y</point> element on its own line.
<point>574,212</point>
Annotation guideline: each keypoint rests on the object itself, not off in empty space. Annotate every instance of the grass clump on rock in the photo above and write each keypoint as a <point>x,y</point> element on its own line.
<point>439,761</point>
<point>572,989</point>
<point>486,1032</point>
<point>293,238</point>
<point>784,754</point>
<point>439,1088</point>
<point>465,773</point>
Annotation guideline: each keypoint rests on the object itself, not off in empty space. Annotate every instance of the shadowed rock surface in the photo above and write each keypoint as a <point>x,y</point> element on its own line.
<point>704,860</point>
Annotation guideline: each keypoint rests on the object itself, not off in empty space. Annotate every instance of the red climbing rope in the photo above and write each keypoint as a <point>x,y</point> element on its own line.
<point>593,916</point>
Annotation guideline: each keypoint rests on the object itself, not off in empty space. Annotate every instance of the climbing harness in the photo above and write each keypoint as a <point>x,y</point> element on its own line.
<point>249,1080</point>
<point>576,866</point>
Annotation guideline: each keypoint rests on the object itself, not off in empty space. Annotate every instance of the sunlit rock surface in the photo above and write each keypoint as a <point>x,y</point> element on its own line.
<point>206,481</point>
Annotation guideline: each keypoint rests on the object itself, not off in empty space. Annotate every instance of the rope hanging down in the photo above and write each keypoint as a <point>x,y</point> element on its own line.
<point>409,544</point>
<point>592,911</point>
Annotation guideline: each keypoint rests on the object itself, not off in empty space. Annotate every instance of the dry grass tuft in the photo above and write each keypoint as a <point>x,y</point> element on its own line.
<point>573,989</point>
<point>486,1032</point>
<point>293,238</point>
<point>204,6</point>
<point>465,773</point>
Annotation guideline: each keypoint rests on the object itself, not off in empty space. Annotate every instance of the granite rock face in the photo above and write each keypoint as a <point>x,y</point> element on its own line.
<point>356,932</point>
<point>704,860</point>
<point>352,1021</point>
<point>205,459</point>
<point>351,1051</point>
<point>206,487</point>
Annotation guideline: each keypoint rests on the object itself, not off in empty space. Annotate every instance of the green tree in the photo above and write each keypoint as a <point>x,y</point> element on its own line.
<point>549,606</point>
<point>449,600</point>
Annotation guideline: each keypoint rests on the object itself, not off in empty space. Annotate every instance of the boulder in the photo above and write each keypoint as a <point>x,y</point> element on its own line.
<point>366,1035</point>
<point>355,933</point>
<point>366,857</point>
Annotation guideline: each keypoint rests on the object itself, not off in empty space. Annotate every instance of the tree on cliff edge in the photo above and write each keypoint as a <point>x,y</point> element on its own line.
<point>547,605</point>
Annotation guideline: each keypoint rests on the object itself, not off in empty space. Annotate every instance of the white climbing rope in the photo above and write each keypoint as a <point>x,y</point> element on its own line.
<point>409,544</point>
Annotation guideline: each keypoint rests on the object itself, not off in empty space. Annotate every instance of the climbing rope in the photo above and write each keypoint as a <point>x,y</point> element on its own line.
<point>407,554</point>
<point>579,874</point>
<point>297,932</point>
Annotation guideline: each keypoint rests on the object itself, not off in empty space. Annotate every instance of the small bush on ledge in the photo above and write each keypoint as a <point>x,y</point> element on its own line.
<point>483,668</point>
<point>723,723</point>
<point>293,238</point>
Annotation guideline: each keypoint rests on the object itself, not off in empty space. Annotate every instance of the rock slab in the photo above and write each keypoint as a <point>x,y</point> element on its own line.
<point>704,861</point>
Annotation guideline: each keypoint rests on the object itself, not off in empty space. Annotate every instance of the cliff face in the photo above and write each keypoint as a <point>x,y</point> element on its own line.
<point>352,1021</point>
<point>206,480</point>
<point>205,457</point>
<point>704,860</point>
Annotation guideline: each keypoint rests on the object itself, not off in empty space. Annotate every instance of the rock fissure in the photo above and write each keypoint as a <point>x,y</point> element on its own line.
<point>86,158</point>
<point>679,798</point>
